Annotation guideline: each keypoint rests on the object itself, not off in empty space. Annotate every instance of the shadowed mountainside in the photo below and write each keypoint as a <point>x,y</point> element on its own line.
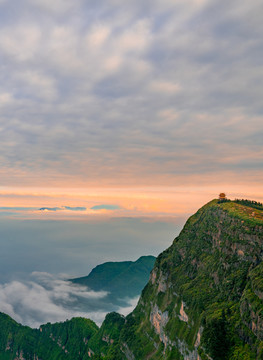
<point>124,279</point>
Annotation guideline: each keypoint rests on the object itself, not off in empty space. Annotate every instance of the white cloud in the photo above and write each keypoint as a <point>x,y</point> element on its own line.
<point>5,98</point>
<point>55,6</point>
<point>165,87</point>
<point>65,50</point>
<point>127,310</point>
<point>38,84</point>
<point>46,298</point>
<point>113,63</point>
<point>135,39</point>
<point>168,115</point>
<point>97,35</point>
<point>20,42</point>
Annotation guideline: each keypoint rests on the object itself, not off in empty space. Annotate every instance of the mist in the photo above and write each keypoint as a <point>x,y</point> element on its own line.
<point>38,257</point>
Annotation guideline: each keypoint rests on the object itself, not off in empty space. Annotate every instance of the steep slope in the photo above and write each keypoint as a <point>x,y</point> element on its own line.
<point>52,341</point>
<point>106,340</point>
<point>204,297</point>
<point>121,279</point>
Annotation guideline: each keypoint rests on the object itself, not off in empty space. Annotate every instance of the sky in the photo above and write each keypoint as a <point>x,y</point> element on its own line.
<point>38,258</point>
<point>117,122</point>
<point>134,98</point>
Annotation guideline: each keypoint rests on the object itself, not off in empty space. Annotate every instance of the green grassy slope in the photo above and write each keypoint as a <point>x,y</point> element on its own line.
<point>52,341</point>
<point>211,273</point>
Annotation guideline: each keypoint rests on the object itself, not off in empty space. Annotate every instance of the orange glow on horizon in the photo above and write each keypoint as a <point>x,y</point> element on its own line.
<point>130,202</point>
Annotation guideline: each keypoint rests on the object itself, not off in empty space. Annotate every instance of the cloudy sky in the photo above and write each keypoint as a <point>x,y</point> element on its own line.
<point>130,98</point>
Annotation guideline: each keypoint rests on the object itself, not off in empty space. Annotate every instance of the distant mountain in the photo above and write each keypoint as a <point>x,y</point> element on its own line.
<point>122,279</point>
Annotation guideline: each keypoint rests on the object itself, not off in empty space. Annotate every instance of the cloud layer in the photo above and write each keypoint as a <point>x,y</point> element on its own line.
<point>105,207</point>
<point>44,298</point>
<point>158,92</point>
<point>63,208</point>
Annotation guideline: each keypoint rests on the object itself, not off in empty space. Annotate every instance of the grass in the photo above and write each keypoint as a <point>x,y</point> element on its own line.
<point>244,212</point>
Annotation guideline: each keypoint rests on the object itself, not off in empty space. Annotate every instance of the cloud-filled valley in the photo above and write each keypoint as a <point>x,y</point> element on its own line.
<point>36,255</point>
<point>44,298</point>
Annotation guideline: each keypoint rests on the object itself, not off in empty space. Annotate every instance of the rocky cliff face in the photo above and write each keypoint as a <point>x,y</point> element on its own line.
<point>204,297</point>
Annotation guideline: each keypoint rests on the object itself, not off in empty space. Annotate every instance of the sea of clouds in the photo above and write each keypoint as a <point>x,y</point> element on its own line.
<point>45,298</point>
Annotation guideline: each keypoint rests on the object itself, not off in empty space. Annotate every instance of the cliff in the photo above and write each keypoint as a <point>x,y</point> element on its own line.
<point>204,297</point>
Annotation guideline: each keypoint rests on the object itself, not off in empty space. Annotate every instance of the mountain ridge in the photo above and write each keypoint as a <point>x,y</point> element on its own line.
<point>122,279</point>
<point>201,287</point>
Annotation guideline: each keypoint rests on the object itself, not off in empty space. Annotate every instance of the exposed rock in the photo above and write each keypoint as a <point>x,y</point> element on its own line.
<point>8,345</point>
<point>20,355</point>
<point>127,352</point>
<point>153,276</point>
<point>159,321</point>
<point>183,316</point>
<point>198,337</point>
<point>162,282</point>
<point>90,353</point>
<point>106,338</point>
